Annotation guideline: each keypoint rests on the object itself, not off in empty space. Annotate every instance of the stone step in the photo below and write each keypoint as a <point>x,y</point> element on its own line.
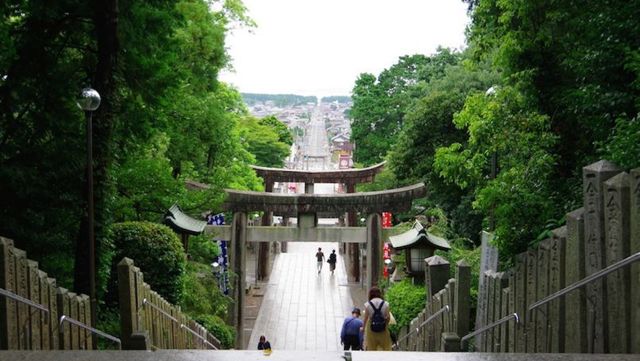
<point>277,355</point>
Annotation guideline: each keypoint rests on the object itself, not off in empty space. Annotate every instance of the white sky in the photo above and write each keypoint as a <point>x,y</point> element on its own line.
<point>319,47</point>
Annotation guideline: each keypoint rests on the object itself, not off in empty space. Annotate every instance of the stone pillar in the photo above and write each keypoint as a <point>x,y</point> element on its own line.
<point>436,275</point>
<point>238,262</point>
<point>263,247</point>
<point>593,177</point>
<point>635,267</point>
<point>127,301</point>
<point>576,308</point>
<point>353,249</point>
<point>462,299</point>
<point>8,308</point>
<point>557,309</point>
<point>488,262</point>
<point>616,210</point>
<point>374,249</point>
<point>450,342</point>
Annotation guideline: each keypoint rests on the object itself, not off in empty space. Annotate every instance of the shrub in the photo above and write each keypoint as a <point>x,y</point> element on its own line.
<point>406,302</point>
<point>223,332</point>
<point>204,296</point>
<point>203,249</point>
<point>157,251</point>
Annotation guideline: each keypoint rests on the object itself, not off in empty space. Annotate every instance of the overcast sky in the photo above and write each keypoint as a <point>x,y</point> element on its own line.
<point>319,47</point>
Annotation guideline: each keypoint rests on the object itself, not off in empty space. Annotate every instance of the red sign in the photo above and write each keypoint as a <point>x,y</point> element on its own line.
<point>386,220</point>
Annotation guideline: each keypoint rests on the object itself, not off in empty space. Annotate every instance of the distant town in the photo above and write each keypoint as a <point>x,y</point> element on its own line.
<point>297,111</point>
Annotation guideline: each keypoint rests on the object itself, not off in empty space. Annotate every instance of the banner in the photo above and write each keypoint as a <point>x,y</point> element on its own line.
<point>223,258</point>
<point>386,220</point>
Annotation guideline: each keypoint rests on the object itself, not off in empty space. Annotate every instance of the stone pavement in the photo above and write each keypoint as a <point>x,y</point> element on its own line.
<point>301,309</point>
<point>280,355</point>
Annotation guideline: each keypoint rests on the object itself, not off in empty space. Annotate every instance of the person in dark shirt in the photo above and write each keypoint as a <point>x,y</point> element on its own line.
<point>320,258</point>
<point>332,261</point>
<point>264,344</point>
<point>350,335</point>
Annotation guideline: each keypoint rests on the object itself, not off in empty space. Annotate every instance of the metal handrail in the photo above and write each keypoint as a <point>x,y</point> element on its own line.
<point>198,336</point>
<point>488,327</point>
<point>90,329</point>
<point>428,320</point>
<point>147,302</point>
<point>603,272</point>
<point>26,301</point>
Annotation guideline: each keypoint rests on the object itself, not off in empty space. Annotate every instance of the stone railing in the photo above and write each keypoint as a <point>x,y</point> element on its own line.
<point>446,316</point>
<point>34,313</point>
<point>150,322</point>
<point>578,291</point>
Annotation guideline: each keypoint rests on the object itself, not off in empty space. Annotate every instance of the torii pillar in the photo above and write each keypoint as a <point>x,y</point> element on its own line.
<point>374,249</point>
<point>239,261</point>
<point>263,247</point>
<point>353,249</point>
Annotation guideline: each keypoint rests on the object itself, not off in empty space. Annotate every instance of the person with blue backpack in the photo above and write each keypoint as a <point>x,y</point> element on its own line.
<point>376,322</point>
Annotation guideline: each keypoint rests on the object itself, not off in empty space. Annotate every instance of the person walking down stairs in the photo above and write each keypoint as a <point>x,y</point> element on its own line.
<point>351,335</point>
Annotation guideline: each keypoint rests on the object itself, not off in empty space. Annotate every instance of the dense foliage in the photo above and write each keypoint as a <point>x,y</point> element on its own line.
<point>157,251</point>
<point>499,133</point>
<point>406,301</point>
<point>205,304</point>
<point>164,118</point>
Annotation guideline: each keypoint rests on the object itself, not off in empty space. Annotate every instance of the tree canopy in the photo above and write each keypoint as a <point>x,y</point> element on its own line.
<point>501,131</point>
<point>164,118</point>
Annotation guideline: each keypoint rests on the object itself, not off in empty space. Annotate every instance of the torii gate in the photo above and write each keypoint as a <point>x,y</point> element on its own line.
<point>307,207</point>
<point>348,177</point>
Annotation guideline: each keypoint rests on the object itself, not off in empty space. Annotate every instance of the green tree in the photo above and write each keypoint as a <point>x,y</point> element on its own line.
<point>284,134</point>
<point>578,61</point>
<point>157,251</point>
<point>519,199</point>
<point>379,105</point>
<point>263,142</point>
<point>428,126</point>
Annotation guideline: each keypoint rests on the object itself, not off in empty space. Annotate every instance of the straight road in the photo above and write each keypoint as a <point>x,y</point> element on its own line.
<point>301,309</point>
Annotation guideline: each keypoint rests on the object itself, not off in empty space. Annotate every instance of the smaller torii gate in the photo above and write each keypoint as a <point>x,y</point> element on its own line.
<point>307,207</point>
<point>349,177</point>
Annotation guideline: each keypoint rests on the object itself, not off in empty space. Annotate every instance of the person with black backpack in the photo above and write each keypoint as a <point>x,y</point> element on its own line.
<point>376,322</point>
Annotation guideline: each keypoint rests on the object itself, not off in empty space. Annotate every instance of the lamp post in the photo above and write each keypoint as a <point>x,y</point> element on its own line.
<point>494,164</point>
<point>89,101</point>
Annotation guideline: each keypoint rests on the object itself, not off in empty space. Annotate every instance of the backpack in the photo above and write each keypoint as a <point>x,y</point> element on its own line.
<point>332,258</point>
<point>378,323</point>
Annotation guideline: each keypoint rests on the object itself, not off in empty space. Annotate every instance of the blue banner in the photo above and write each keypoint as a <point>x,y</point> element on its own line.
<point>223,258</point>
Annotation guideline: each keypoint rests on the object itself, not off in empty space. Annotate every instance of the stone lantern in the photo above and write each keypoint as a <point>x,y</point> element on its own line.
<point>419,244</point>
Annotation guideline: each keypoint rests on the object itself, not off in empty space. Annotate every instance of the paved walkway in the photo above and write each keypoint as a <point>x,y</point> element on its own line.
<point>301,309</point>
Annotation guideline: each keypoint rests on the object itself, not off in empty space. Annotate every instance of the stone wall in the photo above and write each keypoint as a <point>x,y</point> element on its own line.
<point>599,317</point>
<point>446,316</point>
<point>594,316</point>
<point>148,321</point>
<point>34,323</point>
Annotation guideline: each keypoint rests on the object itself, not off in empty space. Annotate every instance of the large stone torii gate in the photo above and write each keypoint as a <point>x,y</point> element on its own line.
<point>307,207</point>
<point>349,177</point>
